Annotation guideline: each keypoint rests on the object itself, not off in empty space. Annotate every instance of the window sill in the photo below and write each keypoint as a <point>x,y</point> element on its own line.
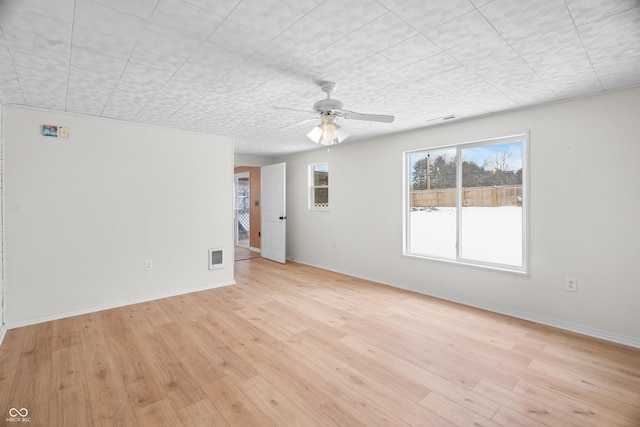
<point>522,271</point>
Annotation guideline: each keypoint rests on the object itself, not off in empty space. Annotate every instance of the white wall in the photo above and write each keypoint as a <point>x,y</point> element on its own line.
<point>83,214</point>
<point>250,160</point>
<point>2,311</point>
<point>584,204</point>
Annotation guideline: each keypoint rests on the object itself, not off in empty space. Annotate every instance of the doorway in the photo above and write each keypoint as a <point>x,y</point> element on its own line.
<point>242,213</point>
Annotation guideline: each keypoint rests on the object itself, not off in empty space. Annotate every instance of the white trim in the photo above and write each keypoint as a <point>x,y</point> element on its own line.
<point>548,321</point>
<point>57,316</point>
<point>3,332</point>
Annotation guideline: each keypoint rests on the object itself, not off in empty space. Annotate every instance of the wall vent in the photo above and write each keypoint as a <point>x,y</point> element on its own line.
<point>215,259</point>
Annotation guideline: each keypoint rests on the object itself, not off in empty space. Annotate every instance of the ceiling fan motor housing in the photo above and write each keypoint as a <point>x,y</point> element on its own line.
<point>327,105</point>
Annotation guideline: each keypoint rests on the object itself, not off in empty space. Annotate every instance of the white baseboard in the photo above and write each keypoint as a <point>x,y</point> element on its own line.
<point>548,321</point>
<point>251,248</point>
<point>57,316</point>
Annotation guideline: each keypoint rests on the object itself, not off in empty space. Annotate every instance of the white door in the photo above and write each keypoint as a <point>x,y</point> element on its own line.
<point>273,213</point>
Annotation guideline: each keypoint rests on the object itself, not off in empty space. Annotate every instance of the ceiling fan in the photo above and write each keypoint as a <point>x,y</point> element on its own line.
<point>328,132</point>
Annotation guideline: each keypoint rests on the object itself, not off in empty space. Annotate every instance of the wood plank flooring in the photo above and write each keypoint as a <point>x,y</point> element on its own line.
<point>292,345</point>
<point>242,254</point>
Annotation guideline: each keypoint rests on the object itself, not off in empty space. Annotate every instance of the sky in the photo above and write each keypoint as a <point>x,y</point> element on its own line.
<point>476,154</point>
<point>321,167</point>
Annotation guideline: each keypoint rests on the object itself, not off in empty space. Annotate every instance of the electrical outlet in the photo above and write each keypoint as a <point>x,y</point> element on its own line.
<point>571,284</point>
<point>148,265</point>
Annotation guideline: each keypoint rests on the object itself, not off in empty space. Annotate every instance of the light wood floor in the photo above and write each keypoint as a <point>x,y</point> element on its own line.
<point>242,254</point>
<point>296,346</point>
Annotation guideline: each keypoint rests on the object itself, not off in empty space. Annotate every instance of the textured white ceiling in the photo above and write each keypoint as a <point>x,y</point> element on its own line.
<point>233,67</point>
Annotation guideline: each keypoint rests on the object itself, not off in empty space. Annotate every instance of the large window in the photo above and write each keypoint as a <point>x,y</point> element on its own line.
<point>467,203</point>
<point>319,186</point>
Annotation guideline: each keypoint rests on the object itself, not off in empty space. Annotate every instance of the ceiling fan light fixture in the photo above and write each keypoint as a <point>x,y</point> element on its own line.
<point>315,134</point>
<point>327,133</point>
<point>332,134</point>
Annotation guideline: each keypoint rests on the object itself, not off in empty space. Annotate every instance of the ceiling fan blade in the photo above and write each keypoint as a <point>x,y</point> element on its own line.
<point>294,109</point>
<point>352,115</point>
<point>315,119</point>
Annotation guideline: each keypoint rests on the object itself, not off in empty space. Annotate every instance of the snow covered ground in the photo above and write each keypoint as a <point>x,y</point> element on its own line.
<point>491,234</point>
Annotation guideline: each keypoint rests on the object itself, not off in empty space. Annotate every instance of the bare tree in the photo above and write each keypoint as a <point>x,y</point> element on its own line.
<point>501,161</point>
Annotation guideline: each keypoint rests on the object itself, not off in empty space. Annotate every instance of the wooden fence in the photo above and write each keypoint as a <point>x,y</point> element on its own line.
<point>503,195</point>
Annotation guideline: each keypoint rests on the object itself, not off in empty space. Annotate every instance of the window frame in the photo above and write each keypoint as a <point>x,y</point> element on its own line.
<point>312,187</point>
<point>406,200</point>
